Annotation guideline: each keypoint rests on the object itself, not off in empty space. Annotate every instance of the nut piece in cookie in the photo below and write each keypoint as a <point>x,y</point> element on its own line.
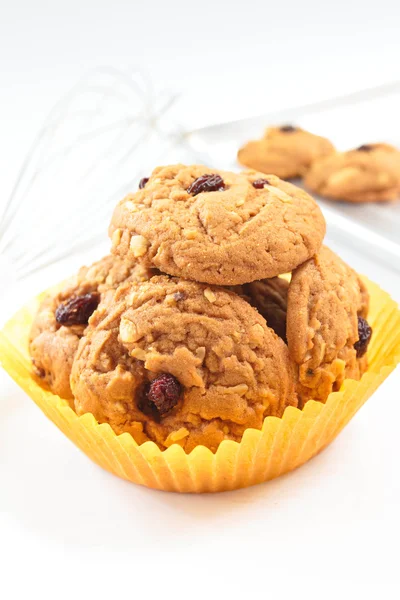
<point>64,314</point>
<point>172,360</point>
<point>217,227</point>
<point>286,151</point>
<point>369,173</point>
<point>326,303</point>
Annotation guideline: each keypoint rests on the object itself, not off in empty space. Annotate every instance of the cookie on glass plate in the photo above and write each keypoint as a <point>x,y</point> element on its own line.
<point>286,151</point>
<point>370,173</point>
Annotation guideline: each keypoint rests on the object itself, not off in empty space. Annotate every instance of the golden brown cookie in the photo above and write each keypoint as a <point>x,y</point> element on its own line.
<point>369,173</point>
<point>176,361</point>
<point>326,312</point>
<point>217,227</point>
<point>286,151</point>
<point>269,297</point>
<point>63,316</point>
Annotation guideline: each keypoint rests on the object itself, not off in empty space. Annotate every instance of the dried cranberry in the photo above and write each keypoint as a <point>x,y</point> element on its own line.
<point>260,183</point>
<point>364,336</point>
<point>365,148</point>
<point>78,310</point>
<point>288,128</point>
<point>143,182</point>
<point>161,395</point>
<point>39,371</point>
<point>206,183</point>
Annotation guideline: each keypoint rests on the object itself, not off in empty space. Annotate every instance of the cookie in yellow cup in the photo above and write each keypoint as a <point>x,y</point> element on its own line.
<point>280,446</point>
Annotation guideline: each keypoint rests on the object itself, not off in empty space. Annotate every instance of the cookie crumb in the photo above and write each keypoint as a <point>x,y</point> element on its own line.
<point>211,297</point>
<point>138,245</point>
<point>131,206</point>
<point>201,352</point>
<point>127,331</point>
<point>190,234</point>
<point>256,334</point>
<point>116,238</point>
<point>179,195</point>
<point>139,354</point>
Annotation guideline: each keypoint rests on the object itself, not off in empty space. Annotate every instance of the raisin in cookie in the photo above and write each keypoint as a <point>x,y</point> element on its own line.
<point>326,312</point>
<point>217,227</point>
<point>286,151</point>
<point>63,316</point>
<point>172,360</point>
<point>368,174</point>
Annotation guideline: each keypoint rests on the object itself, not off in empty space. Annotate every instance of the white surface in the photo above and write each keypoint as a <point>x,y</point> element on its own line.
<point>70,530</point>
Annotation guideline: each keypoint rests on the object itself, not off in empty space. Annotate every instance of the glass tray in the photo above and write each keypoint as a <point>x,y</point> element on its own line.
<point>362,117</point>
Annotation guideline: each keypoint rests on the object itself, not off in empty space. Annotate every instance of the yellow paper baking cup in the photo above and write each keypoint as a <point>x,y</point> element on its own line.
<point>282,444</point>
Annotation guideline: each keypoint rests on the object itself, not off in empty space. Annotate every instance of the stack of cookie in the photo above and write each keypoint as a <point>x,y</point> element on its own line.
<point>218,307</point>
<point>369,173</point>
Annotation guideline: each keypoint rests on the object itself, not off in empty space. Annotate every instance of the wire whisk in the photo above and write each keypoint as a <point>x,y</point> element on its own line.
<point>95,144</point>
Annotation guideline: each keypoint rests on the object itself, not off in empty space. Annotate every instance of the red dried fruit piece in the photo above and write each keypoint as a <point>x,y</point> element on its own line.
<point>143,182</point>
<point>259,183</point>
<point>364,336</point>
<point>78,310</point>
<point>206,183</point>
<point>162,394</point>
<point>288,128</point>
<point>365,148</point>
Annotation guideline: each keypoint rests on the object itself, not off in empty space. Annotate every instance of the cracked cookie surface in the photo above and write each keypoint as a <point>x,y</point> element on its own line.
<point>52,345</point>
<point>286,151</point>
<point>236,234</point>
<point>369,173</point>
<point>208,342</point>
<point>325,299</point>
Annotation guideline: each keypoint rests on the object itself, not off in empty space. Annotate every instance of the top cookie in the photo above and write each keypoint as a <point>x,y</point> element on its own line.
<point>217,227</point>
<point>286,151</point>
<point>367,174</point>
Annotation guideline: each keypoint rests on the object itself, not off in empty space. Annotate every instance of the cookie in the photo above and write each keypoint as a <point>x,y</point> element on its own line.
<point>269,297</point>
<point>63,316</point>
<point>217,227</point>
<point>327,309</point>
<point>286,151</point>
<point>172,360</point>
<point>369,173</point>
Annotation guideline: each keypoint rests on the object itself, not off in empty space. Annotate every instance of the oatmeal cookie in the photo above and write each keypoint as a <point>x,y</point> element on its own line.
<point>217,227</point>
<point>326,325</point>
<point>172,360</point>
<point>286,151</point>
<point>369,173</point>
<point>63,316</point>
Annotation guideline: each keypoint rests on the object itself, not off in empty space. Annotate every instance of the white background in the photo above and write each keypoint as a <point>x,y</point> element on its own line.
<point>68,529</point>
